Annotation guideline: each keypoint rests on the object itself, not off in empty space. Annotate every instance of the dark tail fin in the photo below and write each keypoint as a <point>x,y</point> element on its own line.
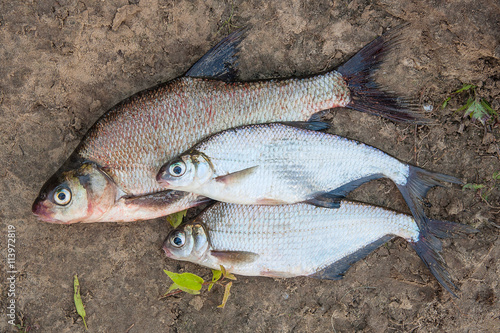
<point>418,183</point>
<point>428,247</point>
<point>366,94</point>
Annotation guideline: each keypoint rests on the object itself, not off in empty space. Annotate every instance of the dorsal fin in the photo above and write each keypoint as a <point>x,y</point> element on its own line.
<point>221,62</point>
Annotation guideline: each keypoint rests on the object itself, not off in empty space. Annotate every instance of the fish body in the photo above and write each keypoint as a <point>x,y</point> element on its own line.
<point>127,146</point>
<point>301,240</point>
<point>280,164</point>
<point>133,141</point>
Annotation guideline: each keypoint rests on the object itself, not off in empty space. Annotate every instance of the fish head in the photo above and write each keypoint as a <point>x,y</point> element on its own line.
<point>189,242</point>
<point>83,194</point>
<point>188,172</point>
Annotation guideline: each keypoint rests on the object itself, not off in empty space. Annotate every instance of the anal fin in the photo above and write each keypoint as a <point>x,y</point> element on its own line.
<point>337,270</point>
<point>343,190</point>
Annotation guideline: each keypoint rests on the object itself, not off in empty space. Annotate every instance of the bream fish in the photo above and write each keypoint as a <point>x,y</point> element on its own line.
<point>303,240</point>
<point>280,164</point>
<point>111,175</point>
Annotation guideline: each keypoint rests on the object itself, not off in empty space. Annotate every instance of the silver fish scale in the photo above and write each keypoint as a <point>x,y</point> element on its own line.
<point>300,239</point>
<point>136,137</point>
<point>293,164</point>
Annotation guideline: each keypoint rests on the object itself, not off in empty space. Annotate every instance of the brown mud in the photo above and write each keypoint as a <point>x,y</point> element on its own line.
<point>64,63</point>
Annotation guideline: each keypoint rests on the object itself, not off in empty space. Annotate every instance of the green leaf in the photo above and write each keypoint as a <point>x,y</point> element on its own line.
<point>78,300</point>
<point>188,281</point>
<point>487,107</point>
<point>226,295</point>
<point>175,219</point>
<point>190,291</point>
<point>477,112</point>
<point>466,105</point>
<point>496,175</point>
<point>216,276</point>
<point>464,88</point>
<point>174,286</point>
<point>445,103</point>
<point>471,186</point>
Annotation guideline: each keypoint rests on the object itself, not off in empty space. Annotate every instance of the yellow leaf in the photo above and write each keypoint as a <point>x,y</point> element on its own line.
<point>226,295</point>
<point>176,219</point>
<point>78,300</point>
<point>226,274</point>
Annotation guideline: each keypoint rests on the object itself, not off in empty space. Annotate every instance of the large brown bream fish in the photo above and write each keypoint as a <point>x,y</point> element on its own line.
<point>111,176</point>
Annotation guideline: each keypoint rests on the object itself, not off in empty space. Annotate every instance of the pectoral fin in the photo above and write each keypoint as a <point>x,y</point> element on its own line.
<point>235,257</point>
<point>236,176</point>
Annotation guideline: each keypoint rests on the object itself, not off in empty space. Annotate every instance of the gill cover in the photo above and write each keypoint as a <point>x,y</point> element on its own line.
<point>188,242</point>
<point>187,172</point>
<point>78,195</point>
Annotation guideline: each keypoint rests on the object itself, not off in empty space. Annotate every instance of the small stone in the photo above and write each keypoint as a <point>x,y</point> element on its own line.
<point>428,107</point>
<point>455,207</point>
<point>488,138</point>
<point>197,303</point>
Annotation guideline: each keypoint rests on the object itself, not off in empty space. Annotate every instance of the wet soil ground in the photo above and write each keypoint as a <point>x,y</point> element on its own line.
<point>64,63</point>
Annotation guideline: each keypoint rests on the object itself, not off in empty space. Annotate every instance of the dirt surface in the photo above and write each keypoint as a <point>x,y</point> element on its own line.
<point>64,63</point>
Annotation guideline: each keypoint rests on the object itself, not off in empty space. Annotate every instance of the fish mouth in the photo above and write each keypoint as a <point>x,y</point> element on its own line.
<point>41,211</point>
<point>160,177</point>
<point>166,250</point>
<point>160,174</point>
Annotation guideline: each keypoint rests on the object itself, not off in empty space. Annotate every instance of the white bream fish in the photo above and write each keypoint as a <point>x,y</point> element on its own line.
<point>280,164</point>
<point>303,240</point>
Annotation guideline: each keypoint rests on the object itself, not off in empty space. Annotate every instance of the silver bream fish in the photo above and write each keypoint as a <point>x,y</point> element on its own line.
<point>279,164</point>
<point>303,240</point>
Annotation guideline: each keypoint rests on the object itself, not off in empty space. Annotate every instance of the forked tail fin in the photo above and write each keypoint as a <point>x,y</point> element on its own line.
<point>418,183</point>
<point>428,248</point>
<point>367,95</point>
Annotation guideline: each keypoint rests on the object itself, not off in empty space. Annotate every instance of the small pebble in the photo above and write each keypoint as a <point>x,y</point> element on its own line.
<point>428,107</point>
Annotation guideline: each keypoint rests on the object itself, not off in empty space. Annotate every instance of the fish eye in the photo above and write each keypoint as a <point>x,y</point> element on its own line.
<point>178,239</point>
<point>62,196</point>
<point>177,169</point>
